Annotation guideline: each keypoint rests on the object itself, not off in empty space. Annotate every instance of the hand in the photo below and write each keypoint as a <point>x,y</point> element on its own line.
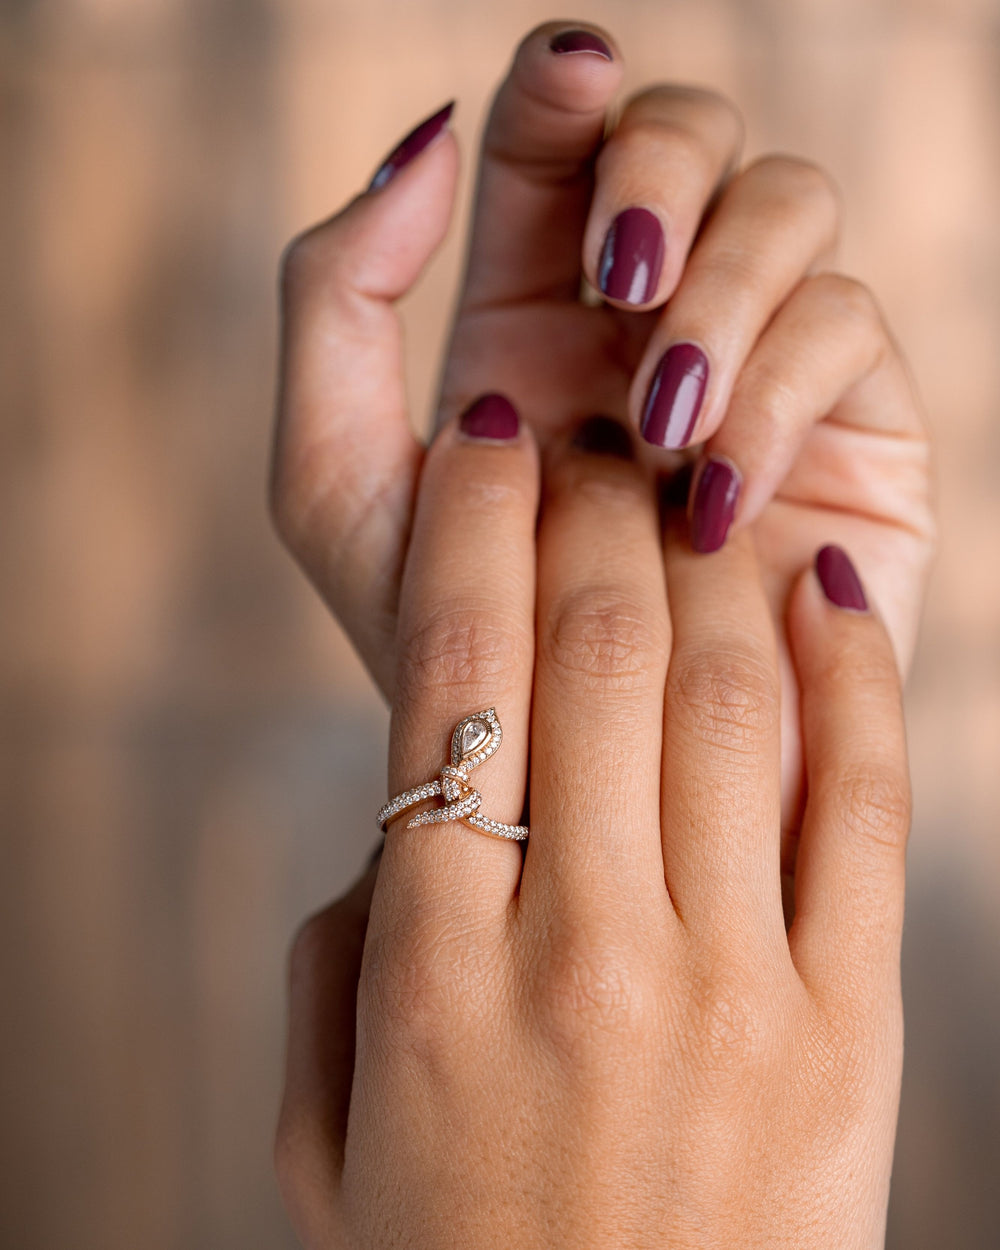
<point>807,418</point>
<point>615,1043</point>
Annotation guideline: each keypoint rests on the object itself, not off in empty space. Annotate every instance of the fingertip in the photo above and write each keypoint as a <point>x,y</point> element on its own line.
<point>713,503</point>
<point>834,628</point>
<point>839,580</point>
<point>421,137</point>
<point>573,67</point>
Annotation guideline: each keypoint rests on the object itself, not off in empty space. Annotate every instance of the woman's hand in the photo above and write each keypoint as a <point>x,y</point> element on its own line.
<point>722,337</point>
<point>614,1043</point>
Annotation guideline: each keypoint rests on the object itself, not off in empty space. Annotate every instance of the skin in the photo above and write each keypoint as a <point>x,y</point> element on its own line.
<point>615,1041</point>
<point>808,394</point>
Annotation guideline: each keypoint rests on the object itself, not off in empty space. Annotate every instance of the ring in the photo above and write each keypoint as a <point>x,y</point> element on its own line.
<point>473,741</point>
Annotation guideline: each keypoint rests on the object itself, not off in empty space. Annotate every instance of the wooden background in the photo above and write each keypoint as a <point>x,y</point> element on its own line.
<point>190,754</point>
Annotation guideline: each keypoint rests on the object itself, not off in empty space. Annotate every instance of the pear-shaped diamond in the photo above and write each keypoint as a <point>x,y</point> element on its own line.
<point>474,734</point>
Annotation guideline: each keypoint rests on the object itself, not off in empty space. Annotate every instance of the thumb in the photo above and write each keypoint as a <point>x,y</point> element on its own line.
<point>345,458</point>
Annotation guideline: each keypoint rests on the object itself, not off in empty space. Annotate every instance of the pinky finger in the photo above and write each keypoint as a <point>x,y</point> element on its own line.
<point>324,969</point>
<point>849,874</point>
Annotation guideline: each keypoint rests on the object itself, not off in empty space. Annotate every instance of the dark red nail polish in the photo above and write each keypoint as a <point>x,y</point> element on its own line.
<point>839,579</point>
<point>490,416</point>
<point>632,257</point>
<point>714,504</point>
<point>580,41</point>
<point>603,436</point>
<point>414,143</point>
<point>675,396</point>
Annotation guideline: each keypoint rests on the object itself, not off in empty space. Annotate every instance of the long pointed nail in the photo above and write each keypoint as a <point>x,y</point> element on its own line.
<point>420,137</point>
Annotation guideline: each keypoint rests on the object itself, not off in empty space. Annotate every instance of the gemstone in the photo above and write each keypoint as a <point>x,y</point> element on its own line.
<point>474,734</point>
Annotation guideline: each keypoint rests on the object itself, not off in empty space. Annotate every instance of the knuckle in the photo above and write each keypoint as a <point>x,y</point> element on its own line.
<point>590,993</point>
<point>602,640</point>
<point>768,390</point>
<point>303,264</point>
<point>728,697</point>
<point>311,943</point>
<point>877,803</point>
<point>850,302</point>
<point>867,670</point>
<point>801,184</point>
<point>729,1024</point>
<point>700,112</point>
<point>845,1071</point>
<point>427,989</point>
<point>644,132</point>
<point>462,648</point>
<point>297,264</point>
<point>286,493</point>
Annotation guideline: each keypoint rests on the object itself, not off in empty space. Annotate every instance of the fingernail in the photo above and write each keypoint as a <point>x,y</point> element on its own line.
<point>580,41</point>
<point>714,504</point>
<point>603,436</point>
<point>414,143</point>
<point>490,416</point>
<point>632,256</point>
<point>839,579</point>
<point>675,396</point>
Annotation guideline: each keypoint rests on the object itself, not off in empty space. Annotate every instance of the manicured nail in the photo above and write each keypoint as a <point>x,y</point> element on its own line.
<point>490,416</point>
<point>414,143</point>
<point>580,41</point>
<point>632,257</point>
<point>603,436</point>
<point>714,504</point>
<point>839,579</point>
<point>675,396</point>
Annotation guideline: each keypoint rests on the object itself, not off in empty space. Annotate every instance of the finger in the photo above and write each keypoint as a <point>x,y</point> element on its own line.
<point>536,168</point>
<point>656,174</point>
<point>721,794</point>
<point>772,223</point>
<point>345,459</point>
<point>827,356</point>
<point>319,1064</point>
<point>466,644</point>
<point>849,875</point>
<point>603,640</point>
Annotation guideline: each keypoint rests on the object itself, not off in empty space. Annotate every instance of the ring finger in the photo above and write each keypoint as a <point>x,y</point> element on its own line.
<point>465,644</point>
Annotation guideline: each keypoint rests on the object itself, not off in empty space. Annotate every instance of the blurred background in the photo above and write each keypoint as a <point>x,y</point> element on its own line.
<point>190,754</point>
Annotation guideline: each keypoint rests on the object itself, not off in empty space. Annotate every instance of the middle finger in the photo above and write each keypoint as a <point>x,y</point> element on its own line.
<point>602,642</point>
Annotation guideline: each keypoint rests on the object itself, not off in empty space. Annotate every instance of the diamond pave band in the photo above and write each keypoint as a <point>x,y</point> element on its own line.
<point>473,741</point>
